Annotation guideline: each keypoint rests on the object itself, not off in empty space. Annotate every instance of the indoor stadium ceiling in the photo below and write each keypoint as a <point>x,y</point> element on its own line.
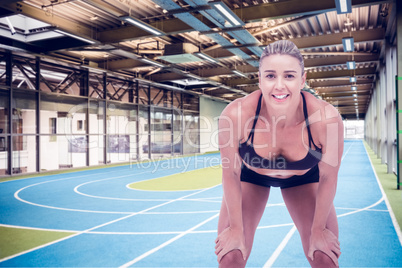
<point>208,47</point>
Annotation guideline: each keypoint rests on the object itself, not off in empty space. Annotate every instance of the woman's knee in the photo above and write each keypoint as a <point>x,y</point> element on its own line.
<point>321,260</point>
<point>233,259</point>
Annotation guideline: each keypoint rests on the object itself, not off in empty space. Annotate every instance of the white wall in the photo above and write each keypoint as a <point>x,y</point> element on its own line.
<point>210,111</point>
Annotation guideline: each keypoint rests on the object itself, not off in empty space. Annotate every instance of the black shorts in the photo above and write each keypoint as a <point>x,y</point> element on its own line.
<point>250,176</point>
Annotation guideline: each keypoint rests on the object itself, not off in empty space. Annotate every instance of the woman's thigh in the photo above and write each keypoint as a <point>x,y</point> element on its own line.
<point>300,202</point>
<point>254,200</point>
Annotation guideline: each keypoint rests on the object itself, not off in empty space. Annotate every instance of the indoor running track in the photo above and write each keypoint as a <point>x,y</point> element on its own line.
<point>114,226</point>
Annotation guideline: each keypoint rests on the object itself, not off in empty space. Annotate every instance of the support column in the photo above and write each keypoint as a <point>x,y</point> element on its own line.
<point>37,113</point>
<point>398,82</point>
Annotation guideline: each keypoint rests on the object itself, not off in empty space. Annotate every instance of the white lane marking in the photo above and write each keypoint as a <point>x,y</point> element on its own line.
<point>347,151</point>
<point>170,241</point>
<point>280,248</point>
<point>284,242</point>
<point>391,212</point>
<point>16,195</point>
<point>37,228</point>
<point>99,226</point>
<point>178,232</point>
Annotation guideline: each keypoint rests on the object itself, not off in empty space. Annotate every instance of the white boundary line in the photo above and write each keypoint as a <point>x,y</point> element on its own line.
<point>146,254</point>
<point>193,232</point>
<point>391,212</point>
<point>99,226</point>
<point>284,242</point>
<point>16,196</point>
<point>280,248</point>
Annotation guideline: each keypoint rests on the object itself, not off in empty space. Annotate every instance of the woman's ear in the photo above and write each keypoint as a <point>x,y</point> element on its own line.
<point>304,78</point>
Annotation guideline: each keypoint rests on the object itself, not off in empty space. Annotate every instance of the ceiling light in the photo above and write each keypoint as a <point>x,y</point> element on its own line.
<point>240,73</point>
<point>75,36</point>
<point>142,25</point>
<point>354,95</point>
<point>155,63</point>
<point>351,65</point>
<point>12,30</point>
<point>206,57</point>
<point>343,6</point>
<point>354,88</point>
<point>227,13</point>
<point>353,79</point>
<point>348,44</point>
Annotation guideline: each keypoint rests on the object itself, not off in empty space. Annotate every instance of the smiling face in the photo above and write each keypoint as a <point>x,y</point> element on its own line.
<point>281,79</point>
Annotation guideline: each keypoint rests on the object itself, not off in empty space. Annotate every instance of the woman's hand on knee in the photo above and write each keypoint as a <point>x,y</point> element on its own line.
<point>327,242</point>
<point>229,240</point>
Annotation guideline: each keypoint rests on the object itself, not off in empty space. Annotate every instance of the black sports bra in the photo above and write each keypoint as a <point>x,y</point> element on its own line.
<point>250,157</point>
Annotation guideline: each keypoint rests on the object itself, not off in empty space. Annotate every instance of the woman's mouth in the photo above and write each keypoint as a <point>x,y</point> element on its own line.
<point>281,97</point>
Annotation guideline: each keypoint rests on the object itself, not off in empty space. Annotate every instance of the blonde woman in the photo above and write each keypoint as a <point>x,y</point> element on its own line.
<point>281,137</point>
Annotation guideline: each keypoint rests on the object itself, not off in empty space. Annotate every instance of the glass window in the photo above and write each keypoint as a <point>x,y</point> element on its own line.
<point>122,131</point>
<point>191,134</point>
<point>4,124</point>
<point>96,117</point>
<point>24,154</point>
<point>62,151</point>
<point>63,129</point>
<point>68,111</point>
<point>96,147</point>
<point>4,155</point>
<point>161,132</point>
<point>24,112</point>
<point>177,132</point>
<point>143,130</point>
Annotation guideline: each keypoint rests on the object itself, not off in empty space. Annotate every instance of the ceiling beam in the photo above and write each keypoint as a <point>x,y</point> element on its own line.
<point>127,33</point>
<point>121,64</point>
<point>337,82</point>
<point>310,42</point>
<point>347,88</point>
<point>293,8</point>
<point>310,75</point>
<point>340,73</point>
<point>339,60</point>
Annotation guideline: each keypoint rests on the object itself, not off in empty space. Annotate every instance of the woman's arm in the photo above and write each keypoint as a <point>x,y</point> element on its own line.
<point>232,237</point>
<point>331,138</point>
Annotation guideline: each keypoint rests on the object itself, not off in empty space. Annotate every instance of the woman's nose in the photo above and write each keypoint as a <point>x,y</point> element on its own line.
<point>280,84</point>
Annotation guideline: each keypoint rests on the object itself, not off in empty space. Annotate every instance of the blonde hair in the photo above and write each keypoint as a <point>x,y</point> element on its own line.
<point>283,47</point>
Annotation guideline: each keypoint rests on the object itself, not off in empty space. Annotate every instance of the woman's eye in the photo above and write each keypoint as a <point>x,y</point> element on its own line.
<point>290,76</point>
<point>269,76</point>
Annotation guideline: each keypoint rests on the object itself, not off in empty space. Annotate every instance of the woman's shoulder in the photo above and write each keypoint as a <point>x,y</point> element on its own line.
<point>243,107</point>
<point>317,106</point>
<point>322,116</point>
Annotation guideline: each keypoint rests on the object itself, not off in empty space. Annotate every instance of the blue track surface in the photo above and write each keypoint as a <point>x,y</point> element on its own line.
<point>113,225</point>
